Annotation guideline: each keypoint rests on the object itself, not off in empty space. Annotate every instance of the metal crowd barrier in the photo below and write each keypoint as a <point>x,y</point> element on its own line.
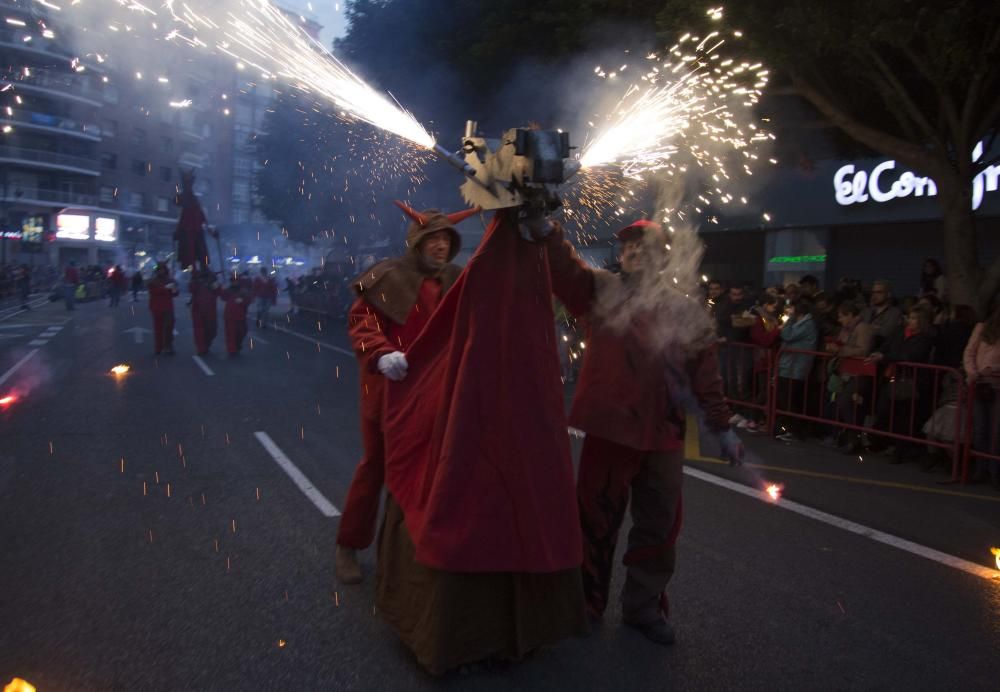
<point>886,401</point>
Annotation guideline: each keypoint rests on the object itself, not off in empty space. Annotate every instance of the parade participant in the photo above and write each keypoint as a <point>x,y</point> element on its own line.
<point>204,312</point>
<point>162,290</point>
<point>479,552</point>
<point>116,285</point>
<point>647,347</point>
<point>395,299</point>
<point>234,315</point>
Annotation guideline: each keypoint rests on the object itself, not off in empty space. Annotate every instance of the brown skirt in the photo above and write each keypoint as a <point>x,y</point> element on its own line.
<point>451,618</point>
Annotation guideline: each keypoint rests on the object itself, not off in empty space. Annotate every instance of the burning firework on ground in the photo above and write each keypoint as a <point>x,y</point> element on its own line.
<point>996,555</point>
<point>774,491</point>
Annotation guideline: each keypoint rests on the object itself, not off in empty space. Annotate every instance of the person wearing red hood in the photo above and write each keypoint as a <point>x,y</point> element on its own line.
<point>205,292</point>
<point>395,299</point>
<point>648,349</point>
<point>162,290</point>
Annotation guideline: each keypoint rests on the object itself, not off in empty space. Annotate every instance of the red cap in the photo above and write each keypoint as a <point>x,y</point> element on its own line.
<point>637,229</point>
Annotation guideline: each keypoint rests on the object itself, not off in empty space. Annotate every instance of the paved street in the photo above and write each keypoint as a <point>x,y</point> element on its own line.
<point>151,540</point>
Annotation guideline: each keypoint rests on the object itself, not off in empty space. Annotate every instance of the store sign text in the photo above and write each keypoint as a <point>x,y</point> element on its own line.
<point>852,186</point>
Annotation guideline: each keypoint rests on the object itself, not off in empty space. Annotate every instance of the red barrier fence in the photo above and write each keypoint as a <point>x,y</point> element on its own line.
<point>915,406</point>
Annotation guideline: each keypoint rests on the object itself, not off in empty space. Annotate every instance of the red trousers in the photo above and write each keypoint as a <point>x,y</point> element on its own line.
<point>206,326</point>
<point>235,331</point>
<point>163,330</point>
<point>357,524</point>
<point>609,473</point>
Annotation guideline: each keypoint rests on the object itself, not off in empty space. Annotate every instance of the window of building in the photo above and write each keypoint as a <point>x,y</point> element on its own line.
<point>162,204</point>
<point>241,191</point>
<point>135,200</point>
<point>109,128</point>
<point>138,136</point>
<point>138,167</point>
<point>110,93</point>
<point>109,161</point>
<point>107,194</point>
<point>165,173</point>
<point>167,144</point>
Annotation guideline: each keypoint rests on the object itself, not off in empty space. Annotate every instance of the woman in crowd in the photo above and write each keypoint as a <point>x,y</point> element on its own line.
<point>982,367</point>
<point>853,345</point>
<point>797,333</point>
<point>766,333</point>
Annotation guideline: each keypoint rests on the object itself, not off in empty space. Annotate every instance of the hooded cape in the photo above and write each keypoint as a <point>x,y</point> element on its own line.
<point>477,452</point>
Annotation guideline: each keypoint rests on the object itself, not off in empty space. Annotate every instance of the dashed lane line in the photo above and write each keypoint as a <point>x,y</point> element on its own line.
<point>203,365</point>
<point>303,483</point>
<point>37,342</point>
<point>321,344</point>
<point>6,376</point>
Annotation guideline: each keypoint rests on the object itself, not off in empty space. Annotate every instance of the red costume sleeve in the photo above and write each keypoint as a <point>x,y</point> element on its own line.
<point>572,279</point>
<point>706,385</point>
<point>477,454</point>
<point>368,338</point>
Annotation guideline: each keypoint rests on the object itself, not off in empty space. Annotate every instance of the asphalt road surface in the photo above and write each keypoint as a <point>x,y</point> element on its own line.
<point>153,538</point>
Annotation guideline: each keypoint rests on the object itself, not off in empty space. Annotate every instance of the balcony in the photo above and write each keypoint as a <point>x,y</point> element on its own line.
<point>12,39</point>
<point>37,158</point>
<point>52,123</point>
<point>44,197</point>
<point>68,85</point>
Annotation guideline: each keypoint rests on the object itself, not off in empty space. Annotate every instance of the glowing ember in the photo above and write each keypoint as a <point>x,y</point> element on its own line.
<point>996,554</point>
<point>7,400</point>
<point>19,685</point>
<point>120,369</point>
<point>774,491</point>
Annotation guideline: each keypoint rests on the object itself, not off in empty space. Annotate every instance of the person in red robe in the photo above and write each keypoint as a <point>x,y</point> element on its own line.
<point>162,290</point>
<point>479,551</point>
<point>190,231</point>
<point>649,350</point>
<point>234,315</point>
<point>395,300</point>
<point>205,292</point>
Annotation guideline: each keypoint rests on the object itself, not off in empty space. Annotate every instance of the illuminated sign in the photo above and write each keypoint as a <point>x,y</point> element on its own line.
<point>11,235</point>
<point>33,229</point>
<point>798,259</point>
<point>73,227</point>
<point>852,186</point>
<point>105,229</point>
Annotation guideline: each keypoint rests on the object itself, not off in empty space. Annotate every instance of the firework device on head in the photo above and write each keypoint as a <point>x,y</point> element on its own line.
<point>523,168</point>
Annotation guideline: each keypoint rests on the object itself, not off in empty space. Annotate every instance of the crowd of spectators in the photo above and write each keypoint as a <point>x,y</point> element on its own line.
<point>12,277</point>
<point>845,357</point>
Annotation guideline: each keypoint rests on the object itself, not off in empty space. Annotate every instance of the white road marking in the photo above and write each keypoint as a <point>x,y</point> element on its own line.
<point>311,340</point>
<point>257,338</point>
<point>303,483</point>
<point>18,364</point>
<point>852,527</point>
<point>7,313</point>
<point>137,332</point>
<point>204,367</point>
<point>37,342</point>
<point>16,326</point>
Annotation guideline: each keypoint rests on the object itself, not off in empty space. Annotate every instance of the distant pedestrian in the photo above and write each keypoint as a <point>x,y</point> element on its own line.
<point>136,285</point>
<point>162,290</point>
<point>71,279</point>
<point>265,291</point>
<point>23,281</point>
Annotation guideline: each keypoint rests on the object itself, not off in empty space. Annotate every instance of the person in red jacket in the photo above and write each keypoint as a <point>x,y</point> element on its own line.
<point>648,348</point>
<point>265,292</point>
<point>204,309</point>
<point>117,283</point>
<point>71,279</point>
<point>162,289</point>
<point>234,315</point>
<point>395,299</point>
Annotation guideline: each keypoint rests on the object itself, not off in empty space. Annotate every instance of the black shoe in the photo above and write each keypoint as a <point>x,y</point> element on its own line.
<point>659,632</point>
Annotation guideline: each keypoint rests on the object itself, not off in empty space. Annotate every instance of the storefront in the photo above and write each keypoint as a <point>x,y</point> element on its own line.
<point>85,237</point>
<point>864,220</point>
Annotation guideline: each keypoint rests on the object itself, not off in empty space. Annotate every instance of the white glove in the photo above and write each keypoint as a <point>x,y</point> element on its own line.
<point>393,365</point>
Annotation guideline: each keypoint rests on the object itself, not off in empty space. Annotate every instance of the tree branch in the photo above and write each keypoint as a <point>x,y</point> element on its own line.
<point>909,105</point>
<point>913,155</point>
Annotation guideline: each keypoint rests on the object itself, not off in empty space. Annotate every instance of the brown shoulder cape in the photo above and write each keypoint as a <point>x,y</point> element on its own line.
<point>392,286</point>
